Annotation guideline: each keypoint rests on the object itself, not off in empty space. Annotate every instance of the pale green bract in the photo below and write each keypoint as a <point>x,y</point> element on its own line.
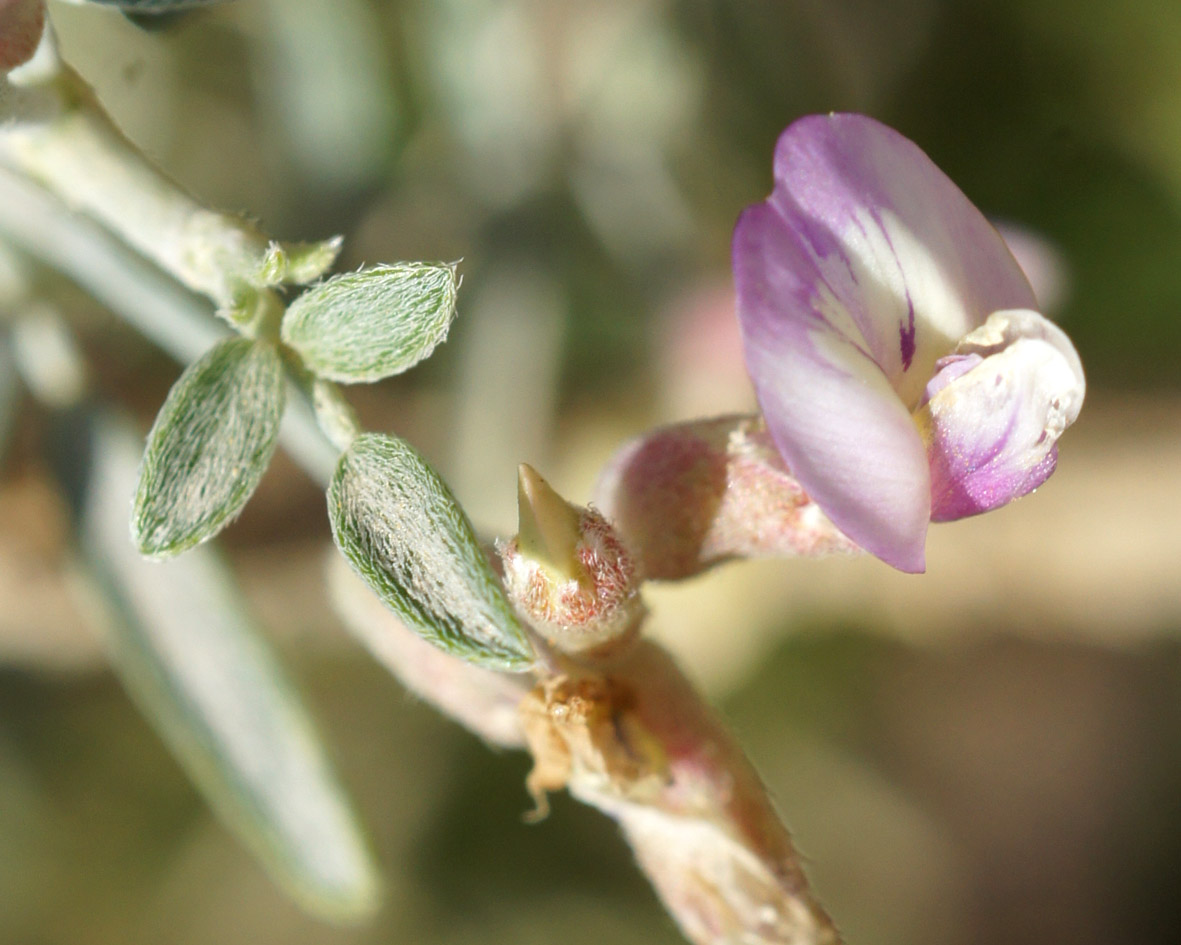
<point>364,326</point>
<point>180,638</point>
<point>209,446</point>
<point>298,263</point>
<point>402,531</point>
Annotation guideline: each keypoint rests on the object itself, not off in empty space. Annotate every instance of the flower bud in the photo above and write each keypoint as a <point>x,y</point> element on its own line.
<point>568,572</point>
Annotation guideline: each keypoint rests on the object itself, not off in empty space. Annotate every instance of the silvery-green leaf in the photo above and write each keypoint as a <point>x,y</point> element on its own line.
<point>402,531</point>
<point>188,652</point>
<point>363,326</point>
<point>209,446</point>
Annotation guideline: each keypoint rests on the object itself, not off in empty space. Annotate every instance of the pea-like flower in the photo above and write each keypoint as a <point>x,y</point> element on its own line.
<point>903,371</point>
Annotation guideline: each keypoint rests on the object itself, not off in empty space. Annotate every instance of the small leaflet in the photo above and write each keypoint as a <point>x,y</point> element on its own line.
<point>209,447</point>
<point>402,531</point>
<point>359,327</point>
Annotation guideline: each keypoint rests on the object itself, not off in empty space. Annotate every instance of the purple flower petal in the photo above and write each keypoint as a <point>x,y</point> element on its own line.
<point>830,410</point>
<point>992,431</point>
<point>863,268</point>
<point>915,265</point>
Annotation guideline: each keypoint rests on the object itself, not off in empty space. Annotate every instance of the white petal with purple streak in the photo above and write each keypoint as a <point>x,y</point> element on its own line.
<point>992,430</point>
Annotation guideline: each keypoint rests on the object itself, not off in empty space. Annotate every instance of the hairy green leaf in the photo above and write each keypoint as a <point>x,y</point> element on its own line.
<point>402,531</point>
<point>363,326</point>
<point>182,642</point>
<point>209,446</point>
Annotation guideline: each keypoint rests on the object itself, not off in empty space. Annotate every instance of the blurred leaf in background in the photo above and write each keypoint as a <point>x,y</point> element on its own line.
<point>181,639</point>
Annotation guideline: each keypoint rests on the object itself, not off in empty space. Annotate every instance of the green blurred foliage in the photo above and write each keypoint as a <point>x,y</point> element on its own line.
<point>613,144</point>
<point>1016,792</point>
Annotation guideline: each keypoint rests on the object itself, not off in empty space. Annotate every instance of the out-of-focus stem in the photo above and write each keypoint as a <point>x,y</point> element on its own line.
<point>615,721</point>
<point>179,322</point>
<point>332,412</point>
<point>53,131</point>
<point>631,736</point>
<point>154,304</point>
<point>639,743</point>
<point>59,135</point>
<point>481,700</point>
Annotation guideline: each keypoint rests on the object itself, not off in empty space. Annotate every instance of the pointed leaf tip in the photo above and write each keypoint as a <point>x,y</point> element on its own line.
<point>547,529</point>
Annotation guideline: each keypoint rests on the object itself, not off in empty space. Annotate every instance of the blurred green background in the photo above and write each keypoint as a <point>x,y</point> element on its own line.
<point>988,753</point>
